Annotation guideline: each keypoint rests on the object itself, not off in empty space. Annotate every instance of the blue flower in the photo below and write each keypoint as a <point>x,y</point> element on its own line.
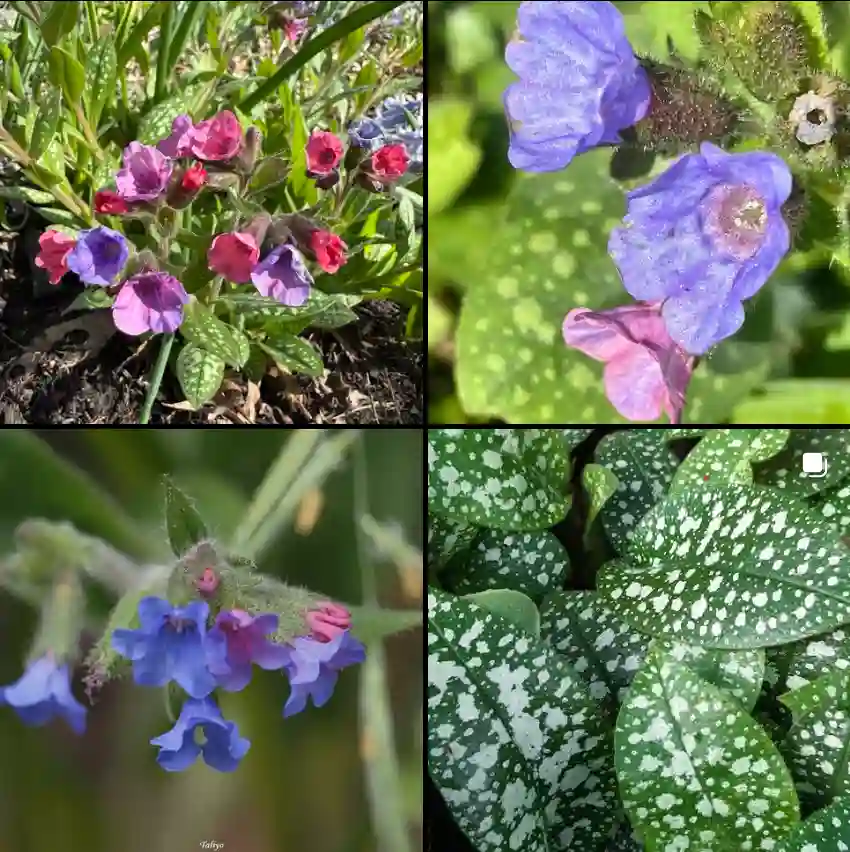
<point>365,132</point>
<point>238,640</point>
<point>313,668</point>
<point>580,83</point>
<point>222,747</point>
<point>42,692</point>
<point>168,646</point>
<point>702,237</point>
<point>99,256</point>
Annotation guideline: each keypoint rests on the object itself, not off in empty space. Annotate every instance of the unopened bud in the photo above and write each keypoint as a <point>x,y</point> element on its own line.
<point>258,227</point>
<point>207,584</point>
<point>185,185</point>
<point>328,181</point>
<point>365,181</point>
<point>247,158</point>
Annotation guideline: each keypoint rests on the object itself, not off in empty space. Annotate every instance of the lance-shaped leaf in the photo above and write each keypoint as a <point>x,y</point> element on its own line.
<point>644,466</point>
<point>731,567</point>
<point>185,526</point>
<point>512,479</point>
<point>785,469</point>
<point>531,562</point>
<point>516,745</point>
<point>513,606</point>
<point>200,374</point>
<point>599,484</point>
<point>447,538</point>
<point>695,771</point>
<point>826,829</point>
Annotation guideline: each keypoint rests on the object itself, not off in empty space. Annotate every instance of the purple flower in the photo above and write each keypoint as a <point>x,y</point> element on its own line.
<point>178,144</point>
<point>313,668</point>
<point>645,372</point>
<point>145,174</point>
<point>580,83</point>
<point>222,747</point>
<point>42,692</point>
<point>282,275</point>
<point>149,301</point>
<point>236,641</point>
<point>99,256</point>
<point>169,645</point>
<point>702,237</point>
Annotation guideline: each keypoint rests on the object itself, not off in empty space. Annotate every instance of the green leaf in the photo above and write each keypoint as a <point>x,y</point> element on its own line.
<point>785,470</point>
<point>731,567</point>
<point>534,563</point>
<point>184,525</point>
<point>545,784</point>
<point>200,374</point>
<point>26,193</point>
<point>101,74</point>
<point>644,467</point>
<point>694,770</point>
<point>819,656</point>
<point>573,437</point>
<point>269,172</point>
<point>653,25</point>
<point>826,829</point>
<point>294,354</point>
<point>816,401</point>
<point>513,606</point>
<point>725,455</point>
<point>46,126</point>
<point>446,539</point>
<point>201,327</point>
<point>599,484</point>
<point>371,624</point>
<point>156,124</point>
<point>67,72</point>
<point>61,18</point>
<point>321,310</point>
<point>92,298</point>
<point>510,479</point>
<point>454,157</point>
<point>134,43</point>
<point>834,505</point>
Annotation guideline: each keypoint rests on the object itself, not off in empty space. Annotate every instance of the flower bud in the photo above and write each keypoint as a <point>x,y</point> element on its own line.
<point>365,181</point>
<point>328,181</point>
<point>185,185</point>
<point>110,203</point>
<point>258,227</point>
<point>222,180</point>
<point>279,231</point>
<point>247,158</point>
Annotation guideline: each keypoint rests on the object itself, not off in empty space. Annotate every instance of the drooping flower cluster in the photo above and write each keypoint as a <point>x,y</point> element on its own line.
<point>176,644</point>
<point>696,242</point>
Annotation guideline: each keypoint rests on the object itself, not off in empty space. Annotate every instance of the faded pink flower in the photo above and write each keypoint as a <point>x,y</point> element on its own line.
<point>645,371</point>
<point>217,138</point>
<point>234,256</point>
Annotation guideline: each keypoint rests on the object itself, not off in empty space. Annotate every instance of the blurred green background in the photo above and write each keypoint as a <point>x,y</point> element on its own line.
<point>509,255</point>
<point>302,784</point>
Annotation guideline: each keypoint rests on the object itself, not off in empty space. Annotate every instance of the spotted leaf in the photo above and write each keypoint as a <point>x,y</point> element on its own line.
<point>625,840</point>
<point>513,606</point>
<point>644,466</point>
<point>828,829</point>
<point>512,479</point>
<point>599,484</point>
<point>834,504</point>
<point>573,437</point>
<point>447,538</point>
<point>785,470</point>
<point>695,771</point>
<point>531,562</point>
<point>725,455</point>
<point>602,648</point>
<point>819,656</point>
<point>731,567</point>
<point>515,742</point>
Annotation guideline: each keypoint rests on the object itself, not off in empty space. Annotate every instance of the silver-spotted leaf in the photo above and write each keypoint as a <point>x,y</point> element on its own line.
<point>827,829</point>
<point>819,656</point>
<point>573,437</point>
<point>785,470</point>
<point>599,484</point>
<point>512,479</point>
<point>834,504</point>
<point>447,538</point>
<point>516,744</point>
<point>513,606</point>
<point>731,567</point>
<point>534,563</point>
<point>695,771</point>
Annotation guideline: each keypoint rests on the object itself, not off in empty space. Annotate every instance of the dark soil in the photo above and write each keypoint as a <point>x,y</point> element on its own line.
<point>60,368</point>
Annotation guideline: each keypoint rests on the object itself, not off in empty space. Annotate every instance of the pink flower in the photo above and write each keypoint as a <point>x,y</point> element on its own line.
<point>293,29</point>
<point>389,162</point>
<point>234,256</point>
<point>329,250</point>
<point>107,201</point>
<point>194,178</point>
<point>149,301</point>
<point>179,143</point>
<point>55,248</point>
<point>645,371</point>
<point>217,138</point>
<point>324,151</point>
<point>145,174</point>
<point>328,621</point>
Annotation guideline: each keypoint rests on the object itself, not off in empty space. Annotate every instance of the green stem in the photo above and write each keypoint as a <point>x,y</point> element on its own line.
<point>163,69</point>
<point>156,377</point>
<point>313,46</point>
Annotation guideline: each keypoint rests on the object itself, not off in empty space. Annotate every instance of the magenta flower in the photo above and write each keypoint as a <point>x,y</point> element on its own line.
<point>217,138</point>
<point>145,174</point>
<point>645,371</point>
<point>98,256</point>
<point>179,143</point>
<point>149,301</point>
<point>282,275</point>
<point>328,620</point>
<point>238,640</point>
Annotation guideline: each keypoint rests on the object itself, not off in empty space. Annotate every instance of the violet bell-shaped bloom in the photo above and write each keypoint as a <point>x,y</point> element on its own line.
<point>222,747</point>
<point>284,276</point>
<point>42,692</point>
<point>702,237</point>
<point>645,372</point>
<point>169,645</point>
<point>98,256</point>
<point>580,83</point>
<point>179,143</point>
<point>149,301</point>
<point>145,174</point>
<point>236,641</point>
<point>313,668</point>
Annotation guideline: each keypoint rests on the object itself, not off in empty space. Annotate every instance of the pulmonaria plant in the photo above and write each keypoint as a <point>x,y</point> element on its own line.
<point>757,115</point>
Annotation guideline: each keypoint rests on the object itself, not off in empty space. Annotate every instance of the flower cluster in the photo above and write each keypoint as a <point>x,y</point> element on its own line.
<point>396,121</point>
<point>171,174</point>
<point>696,242</point>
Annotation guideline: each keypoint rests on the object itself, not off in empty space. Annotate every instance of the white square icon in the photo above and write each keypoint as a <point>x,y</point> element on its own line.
<point>814,464</point>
